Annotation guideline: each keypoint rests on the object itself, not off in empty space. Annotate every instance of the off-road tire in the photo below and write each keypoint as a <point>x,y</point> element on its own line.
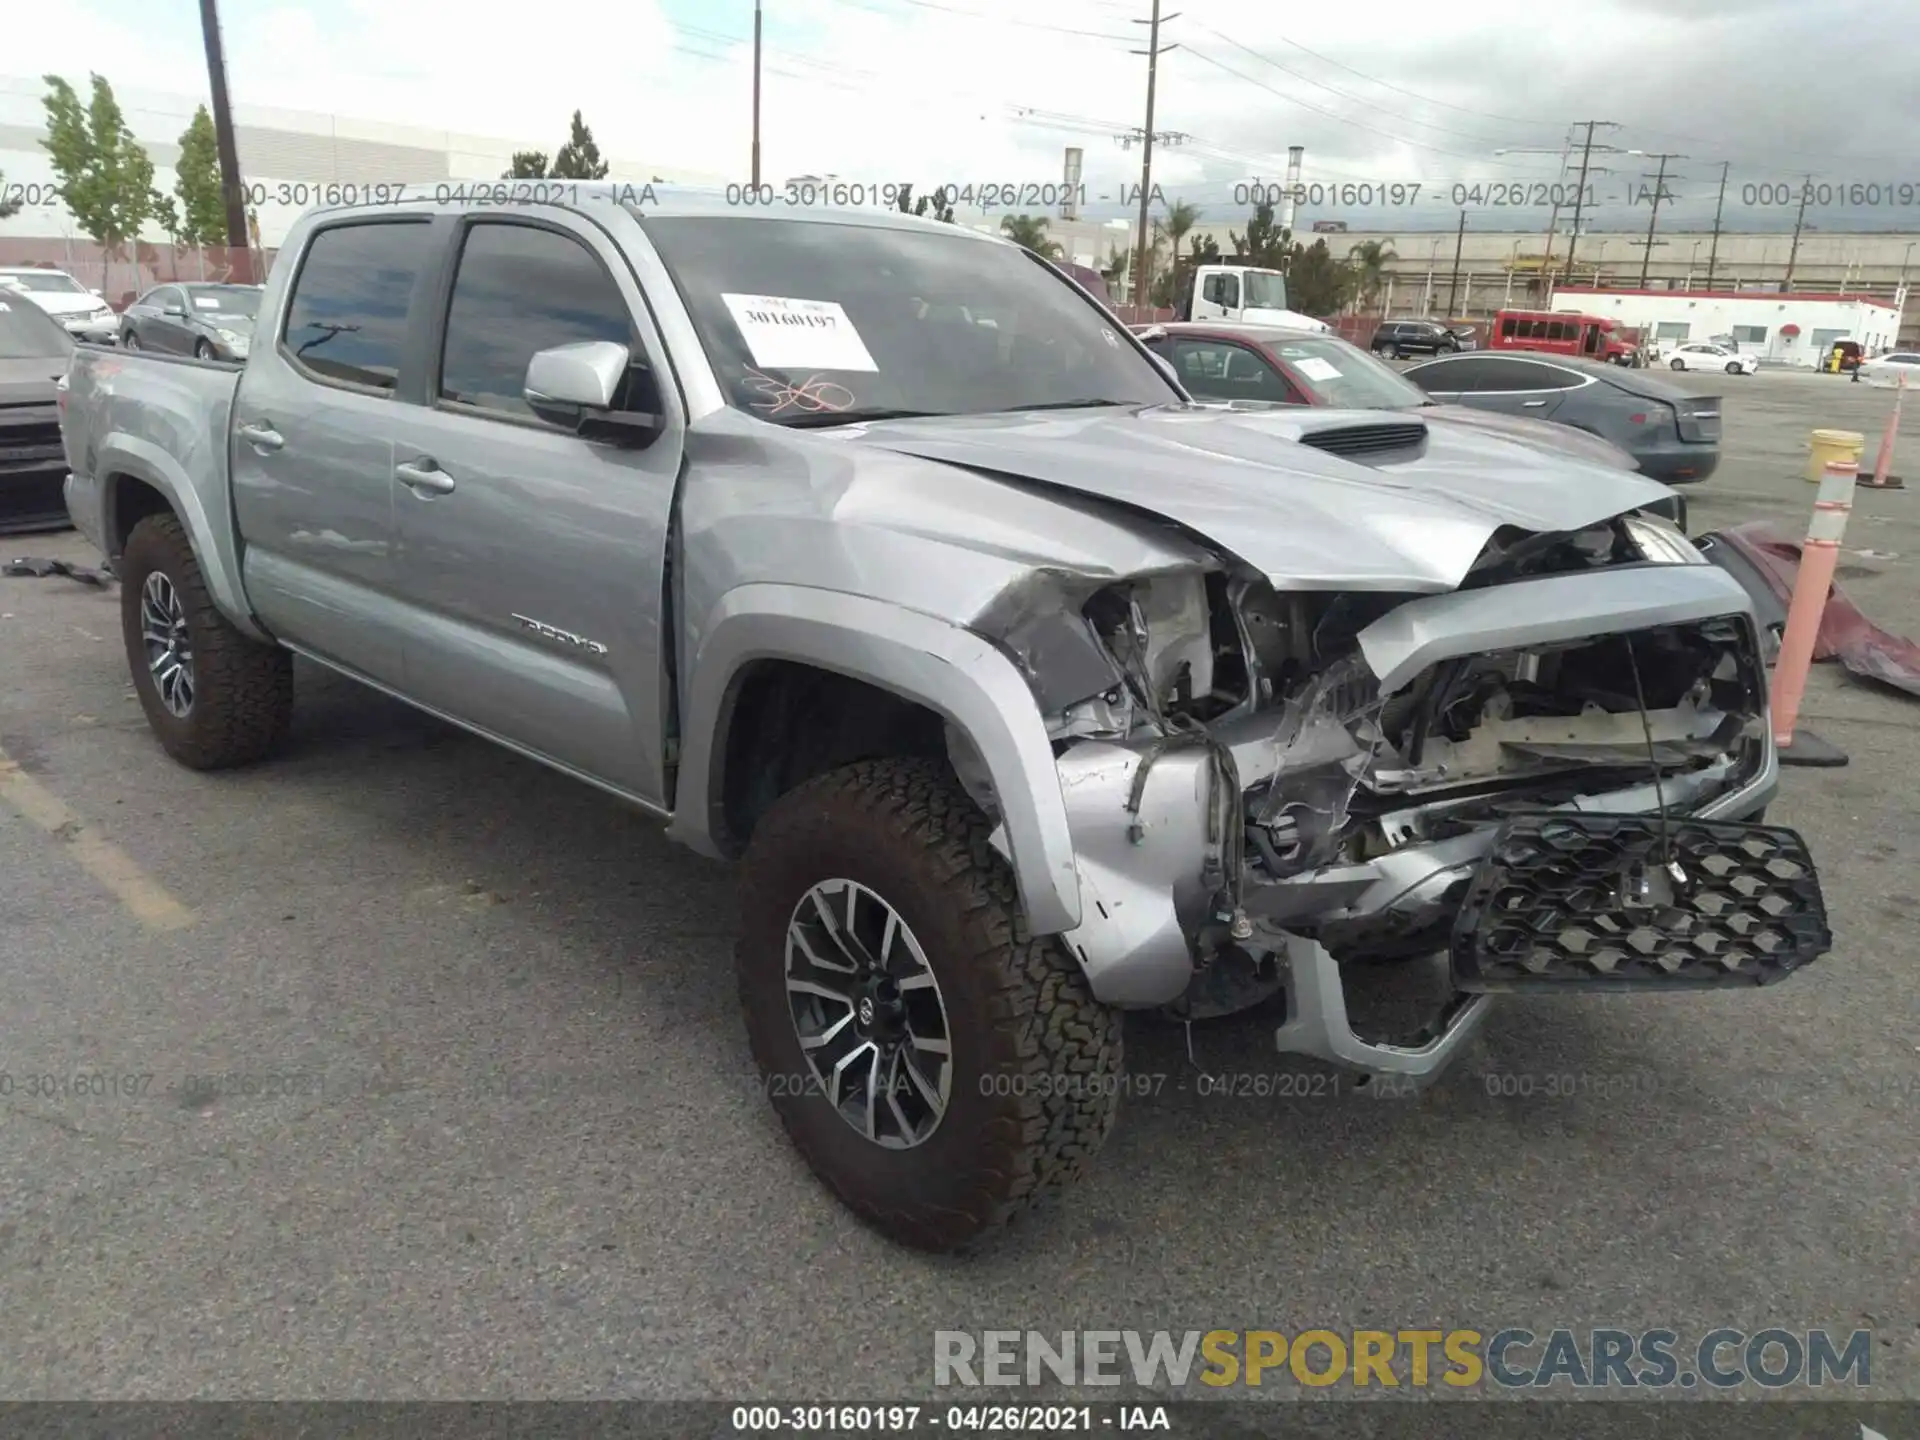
<point>243,689</point>
<point>1037,1060</point>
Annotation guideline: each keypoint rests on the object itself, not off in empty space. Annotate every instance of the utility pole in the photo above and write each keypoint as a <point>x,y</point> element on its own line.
<point>1713,250</point>
<point>756,95</point>
<point>1653,218</point>
<point>1453,286</point>
<point>1799,222</point>
<point>1580,187</point>
<point>231,190</point>
<point>1553,217</point>
<point>1142,257</point>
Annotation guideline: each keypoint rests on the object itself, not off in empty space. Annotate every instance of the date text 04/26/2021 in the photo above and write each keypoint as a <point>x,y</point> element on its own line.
<point>987,1419</point>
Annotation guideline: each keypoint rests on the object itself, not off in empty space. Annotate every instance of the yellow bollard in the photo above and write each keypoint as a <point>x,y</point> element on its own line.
<point>1825,446</point>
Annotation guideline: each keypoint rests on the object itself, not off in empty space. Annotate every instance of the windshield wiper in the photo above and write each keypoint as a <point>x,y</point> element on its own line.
<point>821,419</point>
<point>1069,405</point>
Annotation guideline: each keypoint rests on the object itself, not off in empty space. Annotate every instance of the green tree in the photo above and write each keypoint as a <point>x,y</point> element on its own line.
<point>933,206</point>
<point>1030,232</point>
<point>1318,284</point>
<point>1369,260</point>
<point>1265,243</point>
<point>167,216</point>
<point>105,176</point>
<point>196,185</point>
<point>527,165</point>
<point>579,158</point>
<point>1118,266</point>
<point>1170,230</point>
<point>8,208</point>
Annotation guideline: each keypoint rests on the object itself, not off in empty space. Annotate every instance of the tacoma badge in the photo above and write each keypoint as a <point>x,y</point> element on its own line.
<point>565,637</point>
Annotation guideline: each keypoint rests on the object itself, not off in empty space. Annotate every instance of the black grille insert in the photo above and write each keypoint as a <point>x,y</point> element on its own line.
<point>1588,901</point>
<point>1353,441</point>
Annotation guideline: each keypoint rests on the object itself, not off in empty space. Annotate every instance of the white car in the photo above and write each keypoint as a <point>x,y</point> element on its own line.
<point>85,313</point>
<point>1703,356</point>
<point>1887,369</point>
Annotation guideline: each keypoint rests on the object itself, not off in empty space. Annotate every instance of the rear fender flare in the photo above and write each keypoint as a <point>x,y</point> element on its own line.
<point>215,544</point>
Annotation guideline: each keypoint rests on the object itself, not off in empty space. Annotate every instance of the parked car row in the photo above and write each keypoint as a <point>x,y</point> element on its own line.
<point>1631,418</point>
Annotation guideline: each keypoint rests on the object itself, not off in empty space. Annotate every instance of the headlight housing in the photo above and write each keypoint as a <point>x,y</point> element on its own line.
<point>1662,542</point>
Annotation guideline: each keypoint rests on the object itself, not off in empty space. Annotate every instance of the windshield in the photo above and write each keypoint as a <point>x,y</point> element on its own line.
<point>46,281</point>
<point>805,322</point>
<point>229,300</point>
<point>28,333</point>
<point>1346,377</point>
<point>1266,290</point>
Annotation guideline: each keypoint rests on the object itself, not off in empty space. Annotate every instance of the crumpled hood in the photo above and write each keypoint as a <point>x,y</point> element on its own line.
<point>1304,518</point>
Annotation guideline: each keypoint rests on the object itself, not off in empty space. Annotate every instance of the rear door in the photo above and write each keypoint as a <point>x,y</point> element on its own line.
<point>312,447</point>
<point>532,563</point>
<point>1511,384</point>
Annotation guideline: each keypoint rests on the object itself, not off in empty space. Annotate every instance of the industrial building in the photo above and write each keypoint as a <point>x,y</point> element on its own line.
<point>1781,327</point>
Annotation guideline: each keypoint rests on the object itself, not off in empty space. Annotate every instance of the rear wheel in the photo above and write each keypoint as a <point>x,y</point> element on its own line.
<point>1393,352</point>
<point>203,351</point>
<point>215,697</point>
<point>936,1066</point>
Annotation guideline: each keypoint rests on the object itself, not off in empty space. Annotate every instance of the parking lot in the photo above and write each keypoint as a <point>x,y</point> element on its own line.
<point>506,1139</point>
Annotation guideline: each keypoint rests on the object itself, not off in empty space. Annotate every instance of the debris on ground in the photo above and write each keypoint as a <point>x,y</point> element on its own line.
<point>1766,561</point>
<point>26,565</point>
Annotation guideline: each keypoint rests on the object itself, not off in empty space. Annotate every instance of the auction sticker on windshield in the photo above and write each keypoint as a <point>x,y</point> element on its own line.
<point>784,333</point>
<point>1314,368</point>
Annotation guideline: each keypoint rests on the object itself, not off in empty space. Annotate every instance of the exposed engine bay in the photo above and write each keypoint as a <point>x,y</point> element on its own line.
<point>1246,766</point>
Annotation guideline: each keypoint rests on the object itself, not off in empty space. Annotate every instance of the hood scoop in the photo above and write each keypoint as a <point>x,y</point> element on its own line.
<point>1404,439</point>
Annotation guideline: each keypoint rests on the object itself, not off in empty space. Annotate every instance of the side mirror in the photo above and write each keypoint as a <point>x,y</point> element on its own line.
<point>178,312</point>
<point>575,386</point>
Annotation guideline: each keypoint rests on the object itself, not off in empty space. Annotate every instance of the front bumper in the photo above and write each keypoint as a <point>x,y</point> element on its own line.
<point>1140,817</point>
<point>91,329</point>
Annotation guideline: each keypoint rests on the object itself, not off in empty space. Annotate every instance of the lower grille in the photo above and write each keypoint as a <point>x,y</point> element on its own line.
<point>1589,902</point>
<point>30,438</point>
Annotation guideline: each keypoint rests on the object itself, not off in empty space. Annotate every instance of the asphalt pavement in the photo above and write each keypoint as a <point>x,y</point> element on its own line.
<point>505,1139</point>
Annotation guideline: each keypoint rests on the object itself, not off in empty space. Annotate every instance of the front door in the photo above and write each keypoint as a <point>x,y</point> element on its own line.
<point>312,446</point>
<point>532,559</point>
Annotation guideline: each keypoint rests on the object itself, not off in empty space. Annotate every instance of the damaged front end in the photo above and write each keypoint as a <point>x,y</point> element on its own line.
<point>1536,775</point>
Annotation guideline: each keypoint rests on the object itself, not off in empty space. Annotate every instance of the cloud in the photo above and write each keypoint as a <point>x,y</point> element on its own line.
<point>955,91</point>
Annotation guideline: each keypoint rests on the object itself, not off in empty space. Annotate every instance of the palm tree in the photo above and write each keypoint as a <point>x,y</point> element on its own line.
<point>1369,260</point>
<point>1118,266</point>
<point>1030,232</point>
<point>1180,218</point>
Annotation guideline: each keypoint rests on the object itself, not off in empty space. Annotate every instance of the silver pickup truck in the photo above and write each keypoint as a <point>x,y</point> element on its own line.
<point>875,552</point>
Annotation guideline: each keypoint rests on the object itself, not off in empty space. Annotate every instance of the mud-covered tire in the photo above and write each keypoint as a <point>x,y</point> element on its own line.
<point>243,689</point>
<point>1036,1059</point>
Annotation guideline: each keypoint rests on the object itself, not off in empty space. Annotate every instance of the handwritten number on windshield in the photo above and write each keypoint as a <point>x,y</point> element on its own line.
<point>811,396</point>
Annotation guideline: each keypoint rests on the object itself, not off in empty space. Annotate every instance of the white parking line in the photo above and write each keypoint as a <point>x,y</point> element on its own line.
<point>144,897</point>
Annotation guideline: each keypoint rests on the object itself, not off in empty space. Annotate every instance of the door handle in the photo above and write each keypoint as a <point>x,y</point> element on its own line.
<point>1533,404</point>
<point>424,476</point>
<point>260,435</point>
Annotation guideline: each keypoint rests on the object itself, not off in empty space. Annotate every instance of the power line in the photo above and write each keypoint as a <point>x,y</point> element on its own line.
<point>1346,95</point>
<point>1342,119</point>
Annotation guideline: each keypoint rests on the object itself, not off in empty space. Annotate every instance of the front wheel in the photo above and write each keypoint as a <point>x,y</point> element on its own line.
<point>1679,365</point>
<point>130,341</point>
<point>1736,368</point>
<point>1393,352</point>
<point>203,351</point>
<point>215,697</point>
<point>936,1066</point>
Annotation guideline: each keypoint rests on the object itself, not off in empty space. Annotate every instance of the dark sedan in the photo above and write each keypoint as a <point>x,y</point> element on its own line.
<point>214,322</point>
<point>34,352</point>
<point>1672,434</point>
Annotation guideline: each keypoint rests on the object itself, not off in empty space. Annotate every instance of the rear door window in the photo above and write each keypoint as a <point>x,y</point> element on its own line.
<point>347,318</point>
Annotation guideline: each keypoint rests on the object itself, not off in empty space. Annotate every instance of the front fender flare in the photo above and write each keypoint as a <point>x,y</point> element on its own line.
<point>215,544</point>
<point>950,670</point>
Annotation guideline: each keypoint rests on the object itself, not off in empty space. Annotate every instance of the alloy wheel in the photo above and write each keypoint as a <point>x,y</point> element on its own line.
<point>868,1014</point>
<point>163,629</point>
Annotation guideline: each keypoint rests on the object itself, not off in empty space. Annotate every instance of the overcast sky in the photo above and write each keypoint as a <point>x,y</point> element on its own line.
<point>992,90</point>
